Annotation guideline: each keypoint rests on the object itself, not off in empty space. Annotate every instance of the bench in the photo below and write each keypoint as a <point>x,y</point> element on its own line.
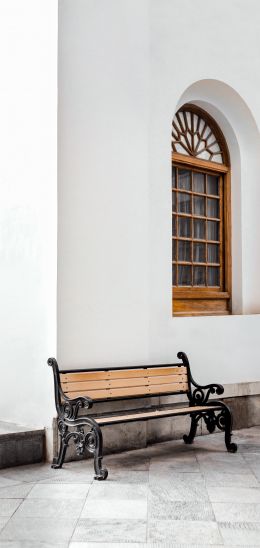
<point>78,390</point>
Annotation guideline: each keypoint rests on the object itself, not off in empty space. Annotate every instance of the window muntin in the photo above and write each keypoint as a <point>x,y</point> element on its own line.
<point>197,237</point>
<point>201,258</point>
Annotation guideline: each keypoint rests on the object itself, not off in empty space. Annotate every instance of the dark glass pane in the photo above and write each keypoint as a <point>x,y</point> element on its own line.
<point>184,251</point>
<point>213,253</point>
<point>199,182</point>
<point>198,205</point>
<point>184,179</point>
<point>213,230</point>
<point>174,201</point>
<point>184,227</point>
<point>184,275</point>
<point>212,208</point>
<point>173,225</point>
<point>213,276</point>
<point>212,185</point>
<point>199,275</point>
<point>174,268</point>
<point>174,249</point>
<point>199,253</point>
<point>174,177</point>
<point>199,229</point>
<point>184,203</point>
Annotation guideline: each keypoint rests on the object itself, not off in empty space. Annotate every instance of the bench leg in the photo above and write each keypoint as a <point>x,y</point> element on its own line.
<point>94,444</point>
<point>193,430</point>
<point>58,462</point>
<point>224,422</point>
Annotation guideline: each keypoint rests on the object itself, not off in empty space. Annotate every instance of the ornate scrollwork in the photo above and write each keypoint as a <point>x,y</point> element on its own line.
<point>70,408</point>
<point>82,441</point>
<point>62,427</point>
<point>200,394</point>
<point>67,408</point>
<point>210,421</point>
<point>91,441</point>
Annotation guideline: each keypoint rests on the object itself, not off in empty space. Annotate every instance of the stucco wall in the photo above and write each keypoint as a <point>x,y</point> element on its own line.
<point>124,68</point>
<point>28,217</point>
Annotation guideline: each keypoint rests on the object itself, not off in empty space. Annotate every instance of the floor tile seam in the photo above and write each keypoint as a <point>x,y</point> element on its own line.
<point>251,469</point>
<point>13,513</point>
<point>250,524</point>
<point>3,528</point>
<point>13,484</point>
<point>12,498</point>
<point>79,517</point>
<point>147,499</point>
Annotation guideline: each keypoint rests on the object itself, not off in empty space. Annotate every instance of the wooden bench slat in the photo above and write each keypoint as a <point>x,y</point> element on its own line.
<point>121,383</point>
<point>84,386</point>
<point>122,373</point>
<point>153,414</point>
<point>131,391</point>
<point>168,379</point>
<point>166,371</point>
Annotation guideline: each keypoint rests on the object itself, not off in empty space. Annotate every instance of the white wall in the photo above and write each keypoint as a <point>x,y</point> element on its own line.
<point>124,69</point>
<point>103,255</point>
<point>28,218</point>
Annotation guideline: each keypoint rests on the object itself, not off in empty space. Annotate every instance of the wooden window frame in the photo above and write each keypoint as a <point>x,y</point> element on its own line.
<point>206,301</point>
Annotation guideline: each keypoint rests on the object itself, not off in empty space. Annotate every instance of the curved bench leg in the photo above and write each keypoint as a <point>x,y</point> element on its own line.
<point>101,473</point>
<point>224,422</point>
<point>193,429</point>
<point>58,462</point>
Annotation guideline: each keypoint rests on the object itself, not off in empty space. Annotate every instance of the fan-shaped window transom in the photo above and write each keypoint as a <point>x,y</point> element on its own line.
<point>193,135</point>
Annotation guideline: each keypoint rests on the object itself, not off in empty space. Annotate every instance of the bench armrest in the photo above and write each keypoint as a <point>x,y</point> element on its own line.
<point>199,395</point>
<point>66,408</point>
<point>71,407</point>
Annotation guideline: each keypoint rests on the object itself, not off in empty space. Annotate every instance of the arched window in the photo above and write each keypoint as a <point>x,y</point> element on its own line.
<point>201,257</point>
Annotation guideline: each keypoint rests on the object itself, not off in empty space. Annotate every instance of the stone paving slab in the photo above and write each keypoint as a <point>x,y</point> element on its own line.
<point>203,533</point>
<point>110,530</point>
<point>52,530</point>
<point>168,495</point>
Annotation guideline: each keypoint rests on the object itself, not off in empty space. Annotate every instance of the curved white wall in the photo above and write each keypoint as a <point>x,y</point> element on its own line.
<point>124,69</point>
<point>28,208</point>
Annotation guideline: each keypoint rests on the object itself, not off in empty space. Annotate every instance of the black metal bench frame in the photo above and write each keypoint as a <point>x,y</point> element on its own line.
<point>71,426</point>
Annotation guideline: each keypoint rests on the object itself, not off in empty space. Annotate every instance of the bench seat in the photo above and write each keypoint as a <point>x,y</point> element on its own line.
<point>154,414</point>
<point>77,391</point>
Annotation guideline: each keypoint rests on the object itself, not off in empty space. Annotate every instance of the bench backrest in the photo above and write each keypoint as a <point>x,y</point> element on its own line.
<point>120,383</point>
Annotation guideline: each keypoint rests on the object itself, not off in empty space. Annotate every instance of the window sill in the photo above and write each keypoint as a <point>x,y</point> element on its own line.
<point>200,302</point>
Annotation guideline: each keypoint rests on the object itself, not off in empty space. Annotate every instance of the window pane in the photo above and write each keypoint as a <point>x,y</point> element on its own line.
<point>199,253</point>
<point>199,275</point>
<point>212,208</point>
<point>184,203</point>
<point>184,227</point>
<point>212,184</point>
<point>184,251</point>
<point>184,275</point>
<point>213,276</point>
<point>174,268</point>
<point>184,179</point>
<point>198,205</point>
<point>198,182</point>
<point>199,229</point>
<point>173,225</point>
<point>174,248</point>
<point>213,230</point>
<point>174,201</point>
<point>213,253</point>
<point>174,177</point>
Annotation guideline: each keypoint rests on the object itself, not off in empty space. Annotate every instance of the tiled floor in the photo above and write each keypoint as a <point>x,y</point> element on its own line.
<point>166,495</point>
